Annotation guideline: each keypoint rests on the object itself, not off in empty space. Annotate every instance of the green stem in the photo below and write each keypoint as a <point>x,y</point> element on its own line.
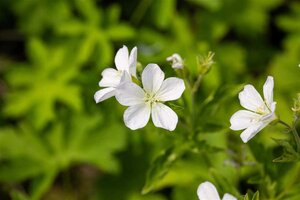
<point>285,124</point>
<point>197,84</point>
<point>297,139</point>
<point>193,114</point>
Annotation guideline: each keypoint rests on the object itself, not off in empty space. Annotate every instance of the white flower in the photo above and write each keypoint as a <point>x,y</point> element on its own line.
<point>149,100</point>
<point>207,191</point>
<point>260,112</point>
<point>177,62</point>
<point>111,78</point>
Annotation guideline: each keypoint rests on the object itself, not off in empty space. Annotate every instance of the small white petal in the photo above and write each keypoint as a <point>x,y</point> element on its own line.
<point>110,78</point>
<point>132,61</point>
<point>207,191</point>
<point>104,94</point>
<point>243,119</point>
<point>171,89</point>
<point>129,94</point>
<point>273,106</point>
<point>251,99</point>
<point>137,116</point>
<point>228,197</point>
<point>164,117</point>
<point>152,78</point>
<point>125,78</point>
<point>121,59</point>
<point>268,118</point>
<point>251,131</point>
<point>268,91</point>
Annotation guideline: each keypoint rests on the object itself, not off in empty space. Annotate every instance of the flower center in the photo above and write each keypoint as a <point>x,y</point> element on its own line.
<point>150,98</point>
<point>263,110</point>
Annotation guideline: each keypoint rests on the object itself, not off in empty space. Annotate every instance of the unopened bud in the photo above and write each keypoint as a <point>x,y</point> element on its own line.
<point>176,61</point>
<point>205,63</point>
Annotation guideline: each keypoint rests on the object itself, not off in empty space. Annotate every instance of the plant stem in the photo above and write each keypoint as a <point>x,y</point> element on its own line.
<point>297,139</point>
<point>197,84</point>
<point>285,124</point>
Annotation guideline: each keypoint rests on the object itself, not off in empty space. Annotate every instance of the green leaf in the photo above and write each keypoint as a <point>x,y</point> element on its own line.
<point>42,156</point>
<point>120,32</point>
<point>41,184</point>
<point>164,11</point>
<point>18,195</point>
<point>289,152</point>
<point>42,83</point>
<point>165,160</point>
<point>246,197</point>
<point>162,164</point>
<point>251,196</point>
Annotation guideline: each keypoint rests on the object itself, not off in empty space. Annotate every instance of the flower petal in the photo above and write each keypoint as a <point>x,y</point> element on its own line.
<point>152,78</point>
<point>104,94</point>
<point>129,94</point>
<point>137,116</point>
<point>110,78</point>
<point>171,89</point>
<point>251,99</point>
<point>243,119</point>
<point>251,131</point>
<point>273,106</point>
<point>207,191</point>
<point>132,61</point>
<point>121,59</point>
<point>268,91</point>
<point>228,197</point>
<point>125,78</point>
<point>164,117</point>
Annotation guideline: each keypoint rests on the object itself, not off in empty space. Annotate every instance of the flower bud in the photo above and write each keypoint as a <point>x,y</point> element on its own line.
<point>205,62</point>
<point>176,61</point>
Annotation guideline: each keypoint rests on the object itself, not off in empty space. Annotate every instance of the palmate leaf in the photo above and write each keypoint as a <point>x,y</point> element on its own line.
<point>42,156</point>
<point>35,17</point>
<point>94,36</point>
<point>92,28</point>
<point>38,86</point>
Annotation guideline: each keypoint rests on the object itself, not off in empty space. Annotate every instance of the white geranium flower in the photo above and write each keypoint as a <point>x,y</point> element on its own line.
<point>207,191</point>
<point>149,100</point>
<point>260,111</point>
<point>111,78</point>
<point>176,60</point>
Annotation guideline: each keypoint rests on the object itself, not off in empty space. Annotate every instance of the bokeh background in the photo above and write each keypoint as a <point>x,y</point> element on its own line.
<point>57,143</point>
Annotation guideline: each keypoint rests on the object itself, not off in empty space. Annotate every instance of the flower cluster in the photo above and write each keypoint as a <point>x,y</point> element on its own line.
<point>145,101</point>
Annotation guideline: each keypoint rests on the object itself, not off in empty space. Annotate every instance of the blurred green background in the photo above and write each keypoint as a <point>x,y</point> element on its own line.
<point>57,143</point>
